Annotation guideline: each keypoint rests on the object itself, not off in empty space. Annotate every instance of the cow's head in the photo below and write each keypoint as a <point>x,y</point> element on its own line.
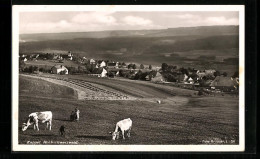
<point>115,135</point>
<point>28,123</point>
<point>25,126</point>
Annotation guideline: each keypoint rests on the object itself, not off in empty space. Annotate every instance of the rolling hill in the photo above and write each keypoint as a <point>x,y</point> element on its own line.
<point>183,31</point>
<point>201,47</point>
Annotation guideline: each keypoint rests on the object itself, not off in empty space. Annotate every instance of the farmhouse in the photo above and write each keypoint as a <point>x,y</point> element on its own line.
<point>158,78</point>
<point>200,74</point>
<point>223,83</point>
<point>92,61</point>
<point>70,54</point>
<point>101,64</point>
<point>99,72</point>
<point>58,69</point>
<point>189,81</point>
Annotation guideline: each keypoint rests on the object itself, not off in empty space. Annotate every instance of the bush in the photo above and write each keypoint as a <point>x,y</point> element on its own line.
<point>200,93</point>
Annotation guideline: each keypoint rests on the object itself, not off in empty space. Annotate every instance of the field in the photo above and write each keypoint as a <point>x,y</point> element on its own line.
<point>51,63</point>
<point>181,118</point>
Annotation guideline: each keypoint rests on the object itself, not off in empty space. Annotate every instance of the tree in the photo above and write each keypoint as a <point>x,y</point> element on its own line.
<point>21,65</point>
<point>224,74</point>
<point>141,66</point>
<point>134,66</point>
<point>184,71</point>
<point>164,67</point>
<point>130,66</point>
<point>235,75</point>
<point>150,67</point>
<point>217,73</point>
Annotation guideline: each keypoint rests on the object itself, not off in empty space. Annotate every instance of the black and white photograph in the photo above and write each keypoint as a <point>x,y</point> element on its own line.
<point>128,78</point>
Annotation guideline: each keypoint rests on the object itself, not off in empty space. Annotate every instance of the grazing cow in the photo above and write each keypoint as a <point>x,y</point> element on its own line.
<point>35,118</point>
<point>158,101</point>
<point>123,126</point>
<point>62,130</point>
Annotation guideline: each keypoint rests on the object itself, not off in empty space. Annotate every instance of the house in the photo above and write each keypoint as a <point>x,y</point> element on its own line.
<point>99,72</point>
<point>189,81</point>
<point>236,82</point>
<point>101,64</point>
<point>59,69</point>
<point>209,72</point>
<point>158,78</point>
<point>70,54</point>
<point>92,61</point>
<point>55,57</point>
<point>224,83</point>
<point>25,59</point>
<point>112,65</point>
<point>185,77</point>
<point>200,74</point>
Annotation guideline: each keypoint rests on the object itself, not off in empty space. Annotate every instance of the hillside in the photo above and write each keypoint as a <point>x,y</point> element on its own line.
<point>183,31</point>
<point>213,47</point>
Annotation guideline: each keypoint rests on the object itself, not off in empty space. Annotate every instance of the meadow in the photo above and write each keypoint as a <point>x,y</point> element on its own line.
<point>181,118</point>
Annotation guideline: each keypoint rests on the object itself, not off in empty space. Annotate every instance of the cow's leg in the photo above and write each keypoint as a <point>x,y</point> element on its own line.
<point>50,122</point>
<point>128,133</point>
<point>34,127</point>
<point>123,133</point>
<point>47,124</point>
<point>37,126</point>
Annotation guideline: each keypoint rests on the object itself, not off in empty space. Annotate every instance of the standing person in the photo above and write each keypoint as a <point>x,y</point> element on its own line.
<point>72,116</point>
<point>77,113</point>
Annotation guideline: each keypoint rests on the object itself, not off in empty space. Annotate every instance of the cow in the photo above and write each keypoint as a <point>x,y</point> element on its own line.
<point>35,118</point>
<point>62,130</point>
<point>123,126</point>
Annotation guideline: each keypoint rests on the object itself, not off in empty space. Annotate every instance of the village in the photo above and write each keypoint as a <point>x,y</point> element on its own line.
<point>206,81</point>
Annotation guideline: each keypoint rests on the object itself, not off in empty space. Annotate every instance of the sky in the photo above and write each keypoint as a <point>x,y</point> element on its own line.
<point>56,22</point>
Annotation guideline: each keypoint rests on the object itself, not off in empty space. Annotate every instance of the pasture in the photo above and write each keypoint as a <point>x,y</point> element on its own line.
<point>181,118</point>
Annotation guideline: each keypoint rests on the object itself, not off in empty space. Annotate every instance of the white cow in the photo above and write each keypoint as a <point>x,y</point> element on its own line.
<point>123,125</point>
<point>35,118</point>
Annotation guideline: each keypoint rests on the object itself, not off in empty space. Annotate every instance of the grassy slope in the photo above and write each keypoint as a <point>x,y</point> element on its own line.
<point>178,120</point>
<point>36,87</point>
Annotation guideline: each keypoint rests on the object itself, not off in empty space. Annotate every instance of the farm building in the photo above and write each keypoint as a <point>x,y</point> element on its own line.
<point>101,64</point>
<point>209,72</point>
<point>92,61</point>
<point>223,83</point>
<point>189,81</point>
<point>100,72</point>
<point>158,78</point>
<point>58,69</point>
<point>70,54</point>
